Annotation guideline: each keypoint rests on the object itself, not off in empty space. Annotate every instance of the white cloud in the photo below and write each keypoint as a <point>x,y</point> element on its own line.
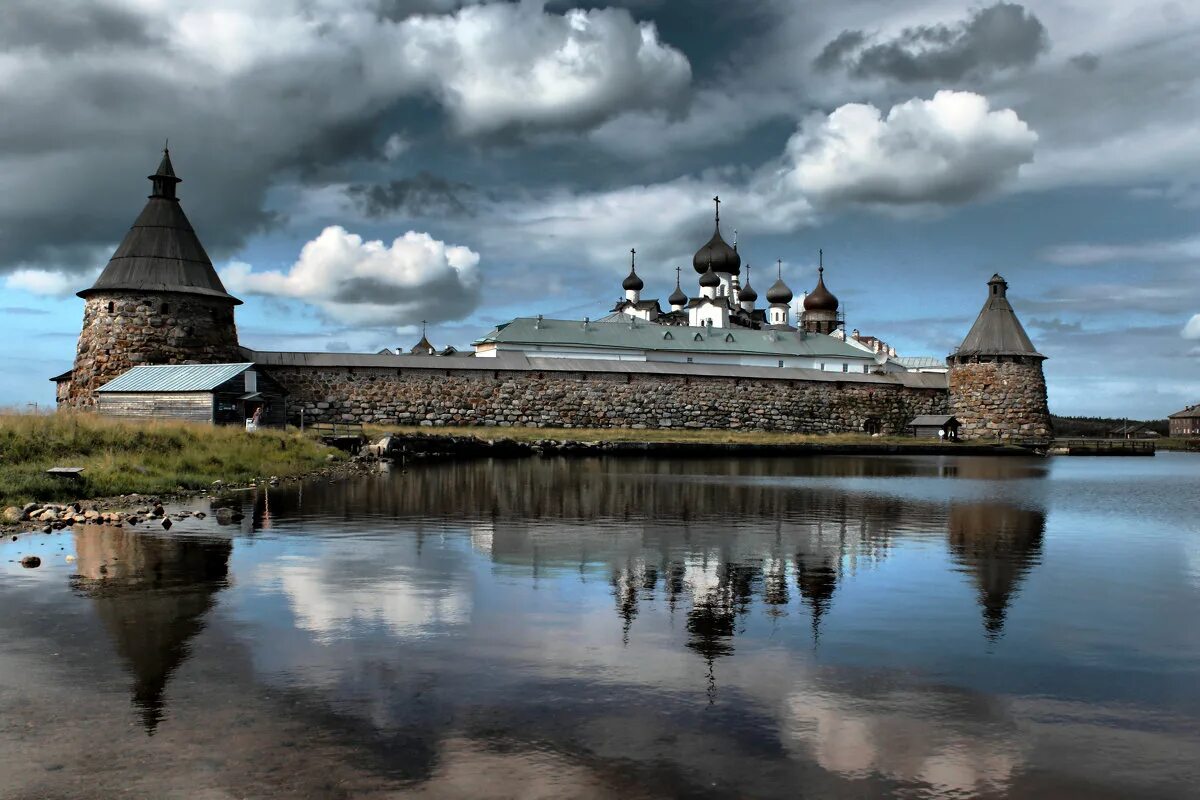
<point>55,283</point>
<point>395,146</point>
<point>1161,251</point>
<point>493,66</point>
<point>1192,329</point>
<point>369,282</point>
<point>950,149</point>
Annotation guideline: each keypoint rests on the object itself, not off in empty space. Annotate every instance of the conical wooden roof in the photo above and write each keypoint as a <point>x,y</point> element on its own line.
<point>997,331</point>
<point>161,252</point>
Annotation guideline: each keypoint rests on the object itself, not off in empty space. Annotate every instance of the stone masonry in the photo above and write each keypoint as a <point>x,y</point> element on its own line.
<point>436,397</point>
<point>1000,399</point>
<point>121,331</point>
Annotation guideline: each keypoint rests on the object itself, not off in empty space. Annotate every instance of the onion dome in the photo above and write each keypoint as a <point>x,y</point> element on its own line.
<point>779,291</point>
<point>161,252</point>
<point>677,298</point>
<point>724,258</point>
<point>747,294</point>
<point>709,278</point>
<point>632,282</point>
<point>821,299</point>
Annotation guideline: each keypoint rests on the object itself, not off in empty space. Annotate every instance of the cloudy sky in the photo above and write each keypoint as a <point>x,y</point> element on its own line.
<point>357,166</point>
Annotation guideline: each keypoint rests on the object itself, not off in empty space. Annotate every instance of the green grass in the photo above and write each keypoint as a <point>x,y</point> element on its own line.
<point>699,436</point>
<point>122,457</point>
<point>1166,443</point>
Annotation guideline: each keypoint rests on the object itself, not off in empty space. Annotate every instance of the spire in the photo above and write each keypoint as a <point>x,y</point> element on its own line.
<point>161,252</point>
<point>997,331</point>
<point>735,240</point>
<point>164,180</point>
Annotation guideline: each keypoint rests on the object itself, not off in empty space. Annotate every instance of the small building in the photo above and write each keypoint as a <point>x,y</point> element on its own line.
<point>222,394</point>
<point>928,426</point>
<point>1133,430</point>
<point>1186,422</point>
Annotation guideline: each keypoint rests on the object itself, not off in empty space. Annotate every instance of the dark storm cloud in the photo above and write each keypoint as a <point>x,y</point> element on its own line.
<point>1001,36</point>
<point>423,195</point>
<point>65,26</point>
<point>254,97</point>
<point>1085,62</point>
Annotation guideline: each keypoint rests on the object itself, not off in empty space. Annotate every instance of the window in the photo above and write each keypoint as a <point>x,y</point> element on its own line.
<point>689,359</point>
<point>781,362</point>
<point>845,367</point>
<point>110,306</point>
<point>822,366</point>
<point>866,368</point>
<point>251,381</point>
<point>164,309</point>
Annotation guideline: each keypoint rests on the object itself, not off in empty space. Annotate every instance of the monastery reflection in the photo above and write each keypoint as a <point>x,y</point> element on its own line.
<point>152,593</point>
<point>713,538</point>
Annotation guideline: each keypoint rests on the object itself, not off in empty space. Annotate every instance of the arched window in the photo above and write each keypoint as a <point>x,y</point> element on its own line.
<point>871,426</point>
<point>111,306</point>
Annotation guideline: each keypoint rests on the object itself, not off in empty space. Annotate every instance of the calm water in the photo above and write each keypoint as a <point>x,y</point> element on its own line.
<point>834,627</point>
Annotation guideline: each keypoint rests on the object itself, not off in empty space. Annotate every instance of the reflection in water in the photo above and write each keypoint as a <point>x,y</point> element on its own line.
<point>626,628</point>
<point>152,593</point>
<point>998,545</point>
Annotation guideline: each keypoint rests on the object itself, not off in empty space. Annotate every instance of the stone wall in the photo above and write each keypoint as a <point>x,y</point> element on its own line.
<point>121,331</point>
<point>1000,400</point>
<point>596,400</point>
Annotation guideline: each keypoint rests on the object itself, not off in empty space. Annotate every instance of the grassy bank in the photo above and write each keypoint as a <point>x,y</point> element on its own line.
<point>684,435</point>
<point>1190,445</point>
<point>143,457</point>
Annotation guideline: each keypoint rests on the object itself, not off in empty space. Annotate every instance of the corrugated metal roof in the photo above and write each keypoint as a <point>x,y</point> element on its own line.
<point>919,362</point>
<point>518,362</point>
<point>641,335</point>
<point>175,378</point>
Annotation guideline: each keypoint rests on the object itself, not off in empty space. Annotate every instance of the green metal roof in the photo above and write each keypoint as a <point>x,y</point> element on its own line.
<point>175,378</point>
<point>642,335</point>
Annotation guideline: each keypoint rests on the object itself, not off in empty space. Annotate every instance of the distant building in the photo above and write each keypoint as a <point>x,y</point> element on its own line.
<point>223,394</point>
<point>1186,422</point>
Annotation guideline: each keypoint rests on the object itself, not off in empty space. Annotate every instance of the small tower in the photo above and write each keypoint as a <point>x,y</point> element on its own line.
<point>997,387</point>
<point>779,296</point>
<point>633,285</point>
<point>710,309</point>
<point>677,299</point>
<point>821,305</point>
<point>747,295</point>
<point>424,347</point>
<point>159,300</point>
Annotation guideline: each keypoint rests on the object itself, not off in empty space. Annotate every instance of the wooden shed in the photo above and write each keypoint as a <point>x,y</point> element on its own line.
<point>927,426</point>
<point>223,394</point>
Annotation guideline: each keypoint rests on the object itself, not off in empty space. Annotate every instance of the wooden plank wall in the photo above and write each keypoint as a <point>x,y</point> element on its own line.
<point>191,406</point>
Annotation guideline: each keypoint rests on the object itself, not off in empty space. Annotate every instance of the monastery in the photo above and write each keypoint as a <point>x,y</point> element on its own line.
<point>159,339</point>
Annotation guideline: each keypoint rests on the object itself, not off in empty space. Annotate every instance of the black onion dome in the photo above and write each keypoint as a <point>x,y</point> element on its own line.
<point>633,282</point>
<point>821,299</point>
<point>747,293</point>
<point>709,278</point>
<point>779,292</point>
<point>161,252</point>
<point>677,298</point>
<point>724,257</point>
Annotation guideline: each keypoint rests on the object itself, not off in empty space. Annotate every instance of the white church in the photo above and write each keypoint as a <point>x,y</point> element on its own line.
<point>721,324</point>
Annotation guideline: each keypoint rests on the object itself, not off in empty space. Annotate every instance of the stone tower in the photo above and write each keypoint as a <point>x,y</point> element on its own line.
<point>997,388</point>
<point>159,300</point>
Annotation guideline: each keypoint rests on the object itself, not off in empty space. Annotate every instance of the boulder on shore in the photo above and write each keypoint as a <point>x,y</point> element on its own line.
<point>31,562</point>
<point>12,515</point>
